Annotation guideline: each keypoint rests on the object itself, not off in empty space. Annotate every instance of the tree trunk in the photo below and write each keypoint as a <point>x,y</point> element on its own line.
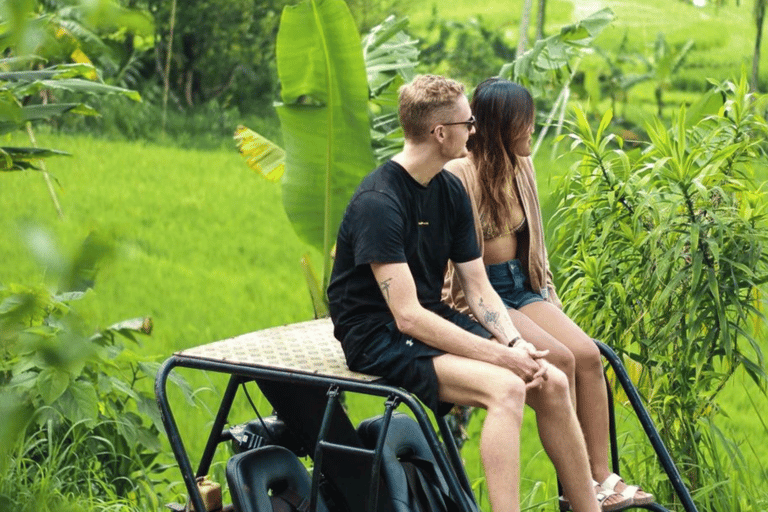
<point>189,77</point>
<point>167,71</point>
<point>759,17</point>
<point>540,19</point>
<point>525,21</point>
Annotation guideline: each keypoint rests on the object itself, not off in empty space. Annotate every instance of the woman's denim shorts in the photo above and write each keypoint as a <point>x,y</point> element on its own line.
<point>508,279</point>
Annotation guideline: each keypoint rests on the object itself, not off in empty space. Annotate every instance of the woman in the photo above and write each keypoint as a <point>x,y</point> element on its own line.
<point>500,179</point>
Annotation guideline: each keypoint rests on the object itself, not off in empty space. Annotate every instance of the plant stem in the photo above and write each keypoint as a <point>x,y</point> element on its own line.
<point>51,190</point>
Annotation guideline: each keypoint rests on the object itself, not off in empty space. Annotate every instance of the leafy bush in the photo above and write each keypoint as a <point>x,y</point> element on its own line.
<point>79,425</point>
<point>221,50</point>
<point>666,260</point>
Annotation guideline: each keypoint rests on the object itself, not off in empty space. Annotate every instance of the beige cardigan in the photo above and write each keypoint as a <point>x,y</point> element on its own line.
<point>530,242</point>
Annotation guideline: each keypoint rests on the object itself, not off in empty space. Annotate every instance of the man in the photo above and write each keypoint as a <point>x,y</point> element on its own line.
<point>403,224</point>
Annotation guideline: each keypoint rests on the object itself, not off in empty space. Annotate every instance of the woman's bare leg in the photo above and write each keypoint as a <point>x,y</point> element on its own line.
<point>574,352</point>
<point>562,439</point>
<point>562,357</point>
<point>591,393</point>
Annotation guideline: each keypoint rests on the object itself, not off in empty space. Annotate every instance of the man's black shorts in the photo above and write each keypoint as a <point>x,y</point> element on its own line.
<point>406,362</point>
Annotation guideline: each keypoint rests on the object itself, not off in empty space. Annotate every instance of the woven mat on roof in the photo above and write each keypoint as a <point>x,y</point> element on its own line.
<point>306,347</point>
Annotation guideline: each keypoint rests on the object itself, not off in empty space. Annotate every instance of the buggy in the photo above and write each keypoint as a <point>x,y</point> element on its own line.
<point>393,462</point>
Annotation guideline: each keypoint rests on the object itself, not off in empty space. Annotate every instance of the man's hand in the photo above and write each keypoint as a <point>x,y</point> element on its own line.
<point>527,363</point>
<point>540,377</point>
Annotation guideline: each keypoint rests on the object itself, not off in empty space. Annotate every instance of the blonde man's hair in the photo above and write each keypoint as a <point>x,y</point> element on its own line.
<point>422,100</point>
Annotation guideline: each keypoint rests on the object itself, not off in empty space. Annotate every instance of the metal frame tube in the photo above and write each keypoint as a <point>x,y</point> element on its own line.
<point>251,372</point>
<point>215,437</point>
<point>650,429</point>
<point>172,430</point>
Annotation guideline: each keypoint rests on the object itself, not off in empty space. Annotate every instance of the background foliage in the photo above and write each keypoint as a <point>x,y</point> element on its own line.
<point>198,238</point>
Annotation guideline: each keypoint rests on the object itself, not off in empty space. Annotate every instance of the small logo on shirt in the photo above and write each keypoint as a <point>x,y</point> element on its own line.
<point>423,223</point>
<point>409,342</point>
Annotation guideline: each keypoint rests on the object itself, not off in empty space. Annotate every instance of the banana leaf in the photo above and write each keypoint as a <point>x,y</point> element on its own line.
<point>324,118</point>
<point>21,159</point>
<point>391,57</point>
<point>89,87</point>
<point>389,51</point>
<point>57,72</point>
<point>38,112</point>
<point>261,154</point>
<point>534,67</point>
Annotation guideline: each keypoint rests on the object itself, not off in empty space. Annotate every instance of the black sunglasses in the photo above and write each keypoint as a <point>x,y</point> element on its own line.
<point>469,124</point>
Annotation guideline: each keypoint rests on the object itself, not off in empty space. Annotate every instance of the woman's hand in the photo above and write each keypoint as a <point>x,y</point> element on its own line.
<point>532,350</point>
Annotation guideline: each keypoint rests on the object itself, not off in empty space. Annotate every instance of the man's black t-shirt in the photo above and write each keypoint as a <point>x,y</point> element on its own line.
<point>392,218</point>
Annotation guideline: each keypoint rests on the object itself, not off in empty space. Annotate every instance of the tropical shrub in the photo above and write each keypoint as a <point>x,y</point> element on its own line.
<point>664,258</point>
<point>77,420</point>
<point>29,87</point>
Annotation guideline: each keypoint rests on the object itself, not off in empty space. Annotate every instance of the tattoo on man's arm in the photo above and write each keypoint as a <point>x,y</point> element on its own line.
<point>491,318</point>
<point>384,285</point>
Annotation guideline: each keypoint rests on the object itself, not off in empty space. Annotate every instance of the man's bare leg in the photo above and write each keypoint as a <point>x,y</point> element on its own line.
<point>502,393</point>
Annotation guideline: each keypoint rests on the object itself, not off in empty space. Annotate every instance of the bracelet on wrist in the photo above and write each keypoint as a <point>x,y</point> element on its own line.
<point>513,341</point>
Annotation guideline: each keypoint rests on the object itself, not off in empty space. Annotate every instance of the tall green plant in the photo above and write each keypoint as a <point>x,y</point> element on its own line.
<point>337,93</point>
<point>758,14</point>
<point>552,63</point>
<point>666,260</point>
<point>60,385</point>
<point>28,90</point>
<point>324,117</point>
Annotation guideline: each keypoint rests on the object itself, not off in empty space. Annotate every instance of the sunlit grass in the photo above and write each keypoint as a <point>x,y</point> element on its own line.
<point>45,474</point>
<point>207,249</point>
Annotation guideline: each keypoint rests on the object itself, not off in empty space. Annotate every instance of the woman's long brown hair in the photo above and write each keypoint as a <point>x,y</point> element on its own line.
<point>503,111</point>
